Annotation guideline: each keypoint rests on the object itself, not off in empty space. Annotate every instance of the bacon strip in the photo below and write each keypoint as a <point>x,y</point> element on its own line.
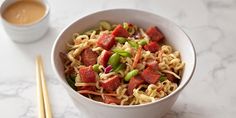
<point>96,93</point>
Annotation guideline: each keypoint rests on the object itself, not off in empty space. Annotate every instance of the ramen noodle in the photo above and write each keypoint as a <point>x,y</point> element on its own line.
<point>122,64</point>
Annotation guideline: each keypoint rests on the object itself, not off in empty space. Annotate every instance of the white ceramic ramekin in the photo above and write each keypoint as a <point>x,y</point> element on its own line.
<point>27,32</point>
<point>174,36</point>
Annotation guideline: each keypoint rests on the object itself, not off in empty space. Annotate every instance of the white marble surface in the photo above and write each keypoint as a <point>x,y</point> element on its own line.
<point>210,23</point>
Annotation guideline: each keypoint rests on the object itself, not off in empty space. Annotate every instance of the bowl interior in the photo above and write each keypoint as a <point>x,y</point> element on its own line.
<point>174,36</point>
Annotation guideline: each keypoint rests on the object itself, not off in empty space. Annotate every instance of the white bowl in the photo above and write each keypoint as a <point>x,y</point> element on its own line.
<point>27,32</point>
<point>174,36</point>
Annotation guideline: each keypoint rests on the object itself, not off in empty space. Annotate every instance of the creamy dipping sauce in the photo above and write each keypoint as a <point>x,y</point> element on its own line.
<point>24,12</point>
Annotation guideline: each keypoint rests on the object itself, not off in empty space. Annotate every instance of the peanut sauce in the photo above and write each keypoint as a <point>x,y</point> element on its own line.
<point>24,12</point>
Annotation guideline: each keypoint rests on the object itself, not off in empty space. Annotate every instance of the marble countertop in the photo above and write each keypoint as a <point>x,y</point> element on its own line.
<point>210,23</point>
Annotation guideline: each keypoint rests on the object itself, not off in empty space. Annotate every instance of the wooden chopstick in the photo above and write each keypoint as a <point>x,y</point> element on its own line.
<point>43,89</point>
<point>41,113</point>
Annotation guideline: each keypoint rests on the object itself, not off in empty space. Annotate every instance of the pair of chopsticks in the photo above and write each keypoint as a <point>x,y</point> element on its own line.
<point>42,93</point>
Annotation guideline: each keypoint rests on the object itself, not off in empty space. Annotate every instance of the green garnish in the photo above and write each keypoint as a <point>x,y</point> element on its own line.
<point>71,81</point>
<point>125,25</point>
<point>162,78</point>
<point>131,74</point>
<point>114,60</point>
<point>121,40</point>
<point>133,44</point>
<point>96,67</point>
<point>120,67</point>
<point>122,52</point>
<point>142,42</point>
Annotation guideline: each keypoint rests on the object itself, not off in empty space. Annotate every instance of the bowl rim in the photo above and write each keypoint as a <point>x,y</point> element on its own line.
<point>121,106</point>
<point>46,14</point>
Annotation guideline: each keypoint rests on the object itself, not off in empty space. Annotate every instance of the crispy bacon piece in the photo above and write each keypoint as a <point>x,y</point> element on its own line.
<point>154,33</point>
<point>106,41</point>
<point>152,47</point>
<point>104,57</point>
<point>150,76</point>
<point>96,93</point>
<point>153,64</point>
<point>89,57</point>
<point>111,83</point>
<point>98,98</point>
<point>110,99</point>
<point>172,78</point>
<point>119,31</point>
<point>90,88</point>
<point>87,74</point>
<point>133,83</point>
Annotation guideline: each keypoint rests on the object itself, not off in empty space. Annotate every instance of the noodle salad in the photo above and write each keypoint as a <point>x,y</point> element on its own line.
<point>122,64</point>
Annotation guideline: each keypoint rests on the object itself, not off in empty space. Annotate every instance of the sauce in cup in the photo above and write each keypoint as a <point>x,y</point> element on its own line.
<point>24,12</point>
<point>25,20</point>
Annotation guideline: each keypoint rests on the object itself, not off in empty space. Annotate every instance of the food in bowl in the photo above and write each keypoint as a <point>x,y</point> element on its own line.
<point>174,36</point>
<point>122,64</point>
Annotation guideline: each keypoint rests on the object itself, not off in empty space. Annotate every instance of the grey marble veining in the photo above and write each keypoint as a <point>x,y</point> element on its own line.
<point>210,23</point>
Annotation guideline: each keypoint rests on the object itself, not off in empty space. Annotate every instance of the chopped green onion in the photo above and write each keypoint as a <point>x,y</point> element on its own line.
<point>114,60</point>
<point>125,25</point>
<point>96,67</point>
<point>133,44</point>
<point>121,40</point>
<point>105,25</point>
<point>162,78</point>
<point>142,42</point>
<point>131,74</point>
<point>122,52</point>
<point>120,67</point>
<point>71,81</point>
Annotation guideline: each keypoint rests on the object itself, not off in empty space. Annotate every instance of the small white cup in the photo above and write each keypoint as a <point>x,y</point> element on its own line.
<point>28,32</point>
